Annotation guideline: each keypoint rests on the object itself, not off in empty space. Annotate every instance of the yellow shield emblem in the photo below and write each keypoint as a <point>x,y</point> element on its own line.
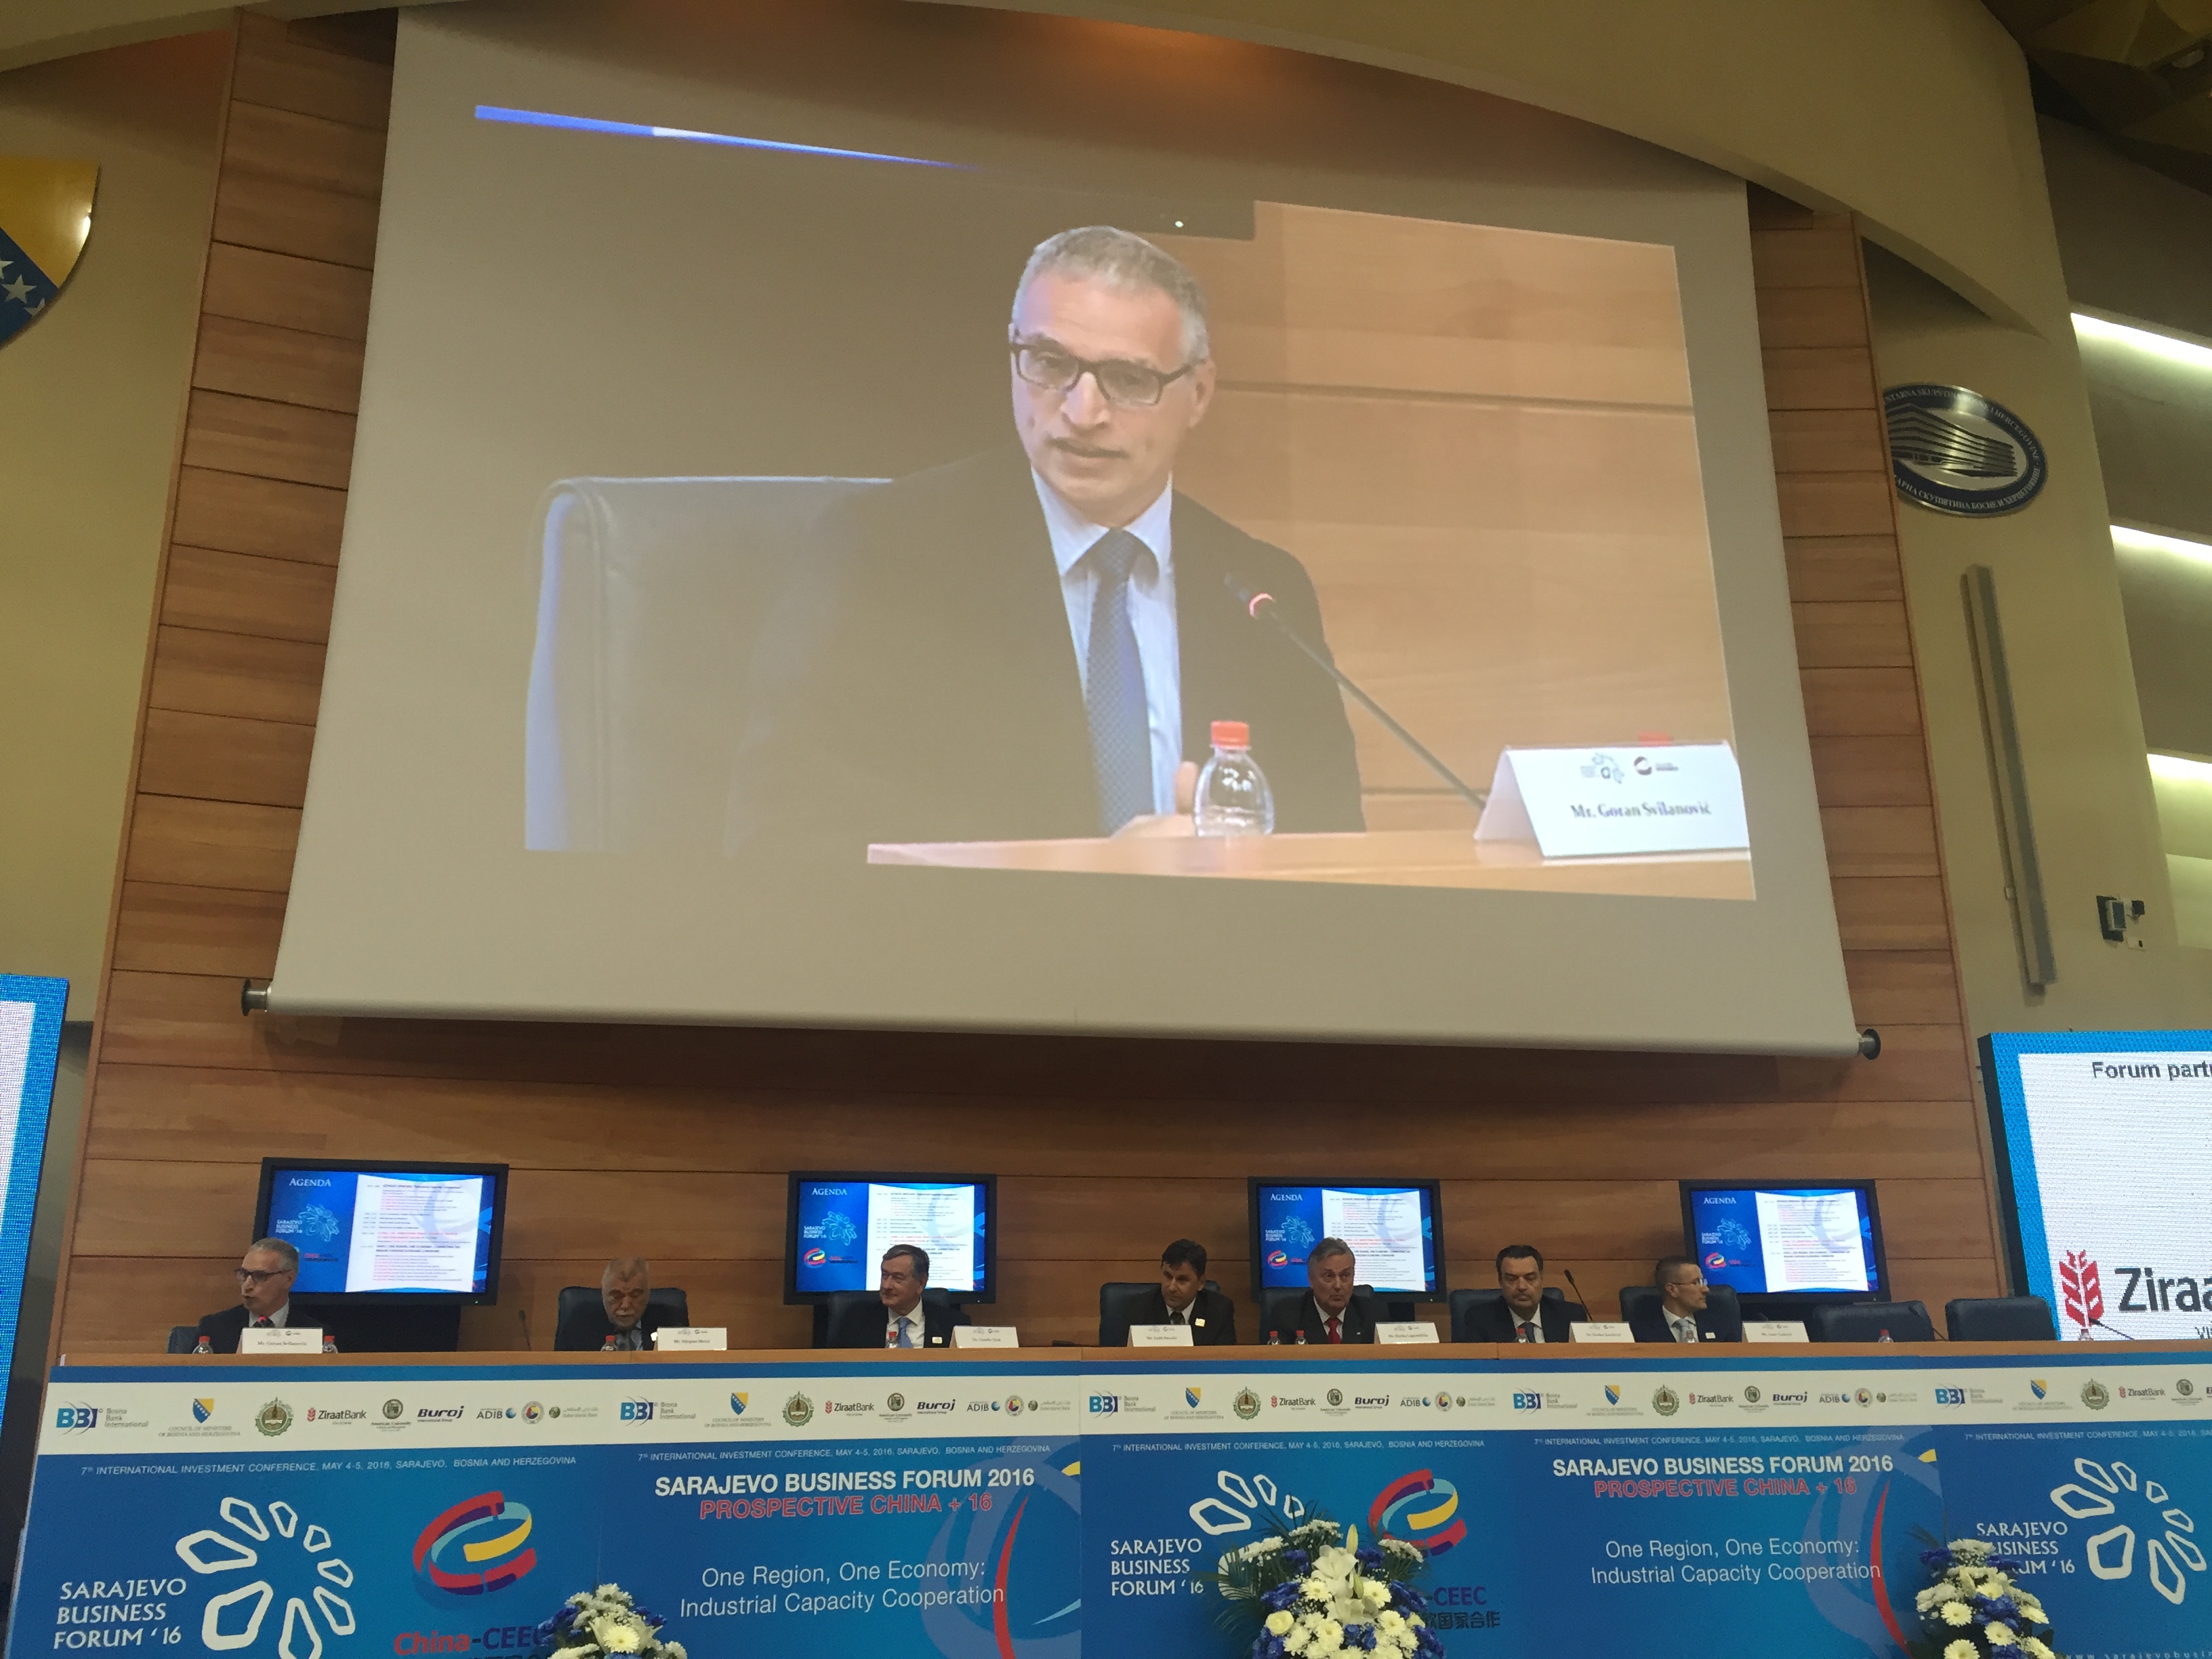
<point>45,214</point>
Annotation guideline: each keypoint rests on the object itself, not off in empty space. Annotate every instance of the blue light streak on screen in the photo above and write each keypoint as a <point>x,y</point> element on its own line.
<point>30,1010</point>
<point>533,117</point>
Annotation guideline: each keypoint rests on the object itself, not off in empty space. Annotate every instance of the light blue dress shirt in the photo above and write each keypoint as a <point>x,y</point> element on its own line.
<point>1151,615</point>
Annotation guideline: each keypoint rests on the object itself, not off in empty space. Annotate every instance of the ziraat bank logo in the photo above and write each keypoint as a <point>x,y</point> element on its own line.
<point>480,1544</point>
<point>327,1414</point>
<point>291,1597</point>
<point>1420,1508</point>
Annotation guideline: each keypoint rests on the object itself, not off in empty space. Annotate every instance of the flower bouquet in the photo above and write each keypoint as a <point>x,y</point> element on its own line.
<point>1974,1610</point>
<point>1313,1595</point>
<point>593,1624</point>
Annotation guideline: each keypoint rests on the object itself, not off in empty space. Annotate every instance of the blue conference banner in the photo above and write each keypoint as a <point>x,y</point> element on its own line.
<point>1023,1509</point>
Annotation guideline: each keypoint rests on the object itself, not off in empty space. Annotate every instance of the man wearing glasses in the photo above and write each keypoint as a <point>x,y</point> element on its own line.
<point>264,1275</point>
<point>1681,1314</point>
<point>1031,643</point>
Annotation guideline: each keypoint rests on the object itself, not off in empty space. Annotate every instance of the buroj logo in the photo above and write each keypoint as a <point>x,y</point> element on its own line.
<point>290,1565</point>
<point>480,1544</point>
<point>1418,1509</point>
<point>2116,1492</point>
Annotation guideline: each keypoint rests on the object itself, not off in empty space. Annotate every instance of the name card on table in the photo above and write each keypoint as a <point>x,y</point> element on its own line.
<point>1775,1330</point>
<point>1598,1330</point>
<point>290,1339</point>
<point>1159,1336</point>
<point>985,1336</point>
<point>1390,1331</point>
<point>1589,803</point>
<point>692,1338</point>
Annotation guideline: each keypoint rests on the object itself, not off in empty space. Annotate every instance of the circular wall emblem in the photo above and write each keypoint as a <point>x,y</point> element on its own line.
<point>1014,1404</point>
<point>1246,1405</point>
<point>1443,1402</point>
<point>2095,1395</point>
<point>2184,1387</point>
<point>1666,1402</point>
<point>273,1418</point>
<point>1752,1393</point>
<point>393,1411</point>
<point>895,1403</point>
<point>1336,1396</point>
<point>1957,452</point>
<point>797,1411</point>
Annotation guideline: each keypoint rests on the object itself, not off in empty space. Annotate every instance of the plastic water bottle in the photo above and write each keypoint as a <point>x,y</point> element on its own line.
<point>1233,798</point>
<point>1885,1336</point>
<point>607,1346</point>
<point>330,1343</point>
<point>204,1345</point>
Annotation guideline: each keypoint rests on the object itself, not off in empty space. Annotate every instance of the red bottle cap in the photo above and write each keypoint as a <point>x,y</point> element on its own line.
<point>1231,734</point>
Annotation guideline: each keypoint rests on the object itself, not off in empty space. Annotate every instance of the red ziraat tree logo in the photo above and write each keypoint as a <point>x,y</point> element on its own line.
<point>2080,1290</point>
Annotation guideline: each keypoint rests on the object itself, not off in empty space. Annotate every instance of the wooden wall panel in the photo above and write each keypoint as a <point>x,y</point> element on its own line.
<point>675,1142</point>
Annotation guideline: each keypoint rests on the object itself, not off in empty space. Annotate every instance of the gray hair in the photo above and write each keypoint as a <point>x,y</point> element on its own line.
<point>1123,259</point>
<point>1327,1249</point>
<point>627,1266</point>
<point>277,1247</point>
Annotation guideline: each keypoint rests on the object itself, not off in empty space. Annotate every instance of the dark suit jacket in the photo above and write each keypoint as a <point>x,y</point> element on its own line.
<point>863,1324</point>
<point>915,680</point>
<point>1648,1324</point>
<point>586,1330</point>
<point>1493,1322</point>
<point>1358,1322</point>
<point>1212,1318</point>
<point>221,1330</point>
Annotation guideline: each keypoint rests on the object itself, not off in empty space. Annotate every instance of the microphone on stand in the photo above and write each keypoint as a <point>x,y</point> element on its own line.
<point>2114,1329</point>
<point>1261,607</point>
<point>1568,1274</point>
<point>523,1314</point>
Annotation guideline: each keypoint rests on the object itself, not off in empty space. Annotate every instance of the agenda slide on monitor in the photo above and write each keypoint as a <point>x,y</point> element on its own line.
<point>872,514</point>
<point>2104,1145</point>
<point>378,1231</point>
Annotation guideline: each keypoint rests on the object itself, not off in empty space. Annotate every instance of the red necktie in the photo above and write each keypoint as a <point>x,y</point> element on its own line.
<point>262,1322</point>
<point>1336,1333</point>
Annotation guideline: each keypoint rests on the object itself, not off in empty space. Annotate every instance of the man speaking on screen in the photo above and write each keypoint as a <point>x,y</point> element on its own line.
<point>1030,643</point>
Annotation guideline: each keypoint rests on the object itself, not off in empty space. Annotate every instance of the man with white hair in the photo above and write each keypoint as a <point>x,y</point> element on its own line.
<point>1032,643</point>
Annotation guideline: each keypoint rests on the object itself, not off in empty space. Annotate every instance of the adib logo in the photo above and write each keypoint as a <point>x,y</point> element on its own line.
<point>1418,1509</point>
<point>480,1544</point>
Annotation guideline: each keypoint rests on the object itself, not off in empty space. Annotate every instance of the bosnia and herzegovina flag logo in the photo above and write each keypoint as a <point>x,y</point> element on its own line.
<point>45,214</point>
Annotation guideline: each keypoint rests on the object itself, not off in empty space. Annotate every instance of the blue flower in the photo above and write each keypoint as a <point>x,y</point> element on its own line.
<point>1936,1558</point>
<point>1427,1644</point>
<point>1268,1647</point>
<point>2008,1563</point>
<point>1297,1559</point>
<point>1360,1636</point>
<point>1407,1599</point>
<point>1369,1557</point>
<point>1283,1596</point>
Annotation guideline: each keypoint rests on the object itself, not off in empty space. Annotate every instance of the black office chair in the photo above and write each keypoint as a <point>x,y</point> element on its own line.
<point>2000,1319</point>
<point>184,1339</point>
<point>666,1298</point>
<point>1282,1304</point>
<point>1721,1298</point>
<point>834,1308</point>
<point>1463,1305</point>
<point>1866,1321</point>
<point>1118,1299</point>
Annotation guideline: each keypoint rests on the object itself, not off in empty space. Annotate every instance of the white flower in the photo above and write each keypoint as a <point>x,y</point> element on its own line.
<point>1957,1615</point>
<point>2037,1649</point>
<point>1999,1632</point>
<point>1969,1549</point>
<point>1391,1621</point>
<point>1279,1624</point>
<point>1376,1590</point>
<point>1297,1640</point>
<point>1962,1650</point>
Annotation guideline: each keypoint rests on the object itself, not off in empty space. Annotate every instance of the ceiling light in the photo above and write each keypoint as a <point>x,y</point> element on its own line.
<point>2180,770</point>
<point>2173,347</point>
<point>2128,539</point>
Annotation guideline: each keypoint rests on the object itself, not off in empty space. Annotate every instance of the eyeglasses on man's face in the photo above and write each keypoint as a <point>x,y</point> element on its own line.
<point>1051,367</point>
<point>253,1279</point>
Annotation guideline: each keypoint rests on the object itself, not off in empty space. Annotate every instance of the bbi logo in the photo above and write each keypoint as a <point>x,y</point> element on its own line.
<point>1528,1402</point>
<point>1105,1402</point>
<point>1950,1396</point>
<point>1418,1509</point>
<point>637,1411</point>
<point>77,1418</point>
<point>480,1544</point>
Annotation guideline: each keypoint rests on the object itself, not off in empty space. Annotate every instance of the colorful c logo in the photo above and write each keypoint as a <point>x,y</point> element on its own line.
<point>476,1546</point>
<point>816,1257</point>
<point>1418,1508</point>
<point>1278,1259</point>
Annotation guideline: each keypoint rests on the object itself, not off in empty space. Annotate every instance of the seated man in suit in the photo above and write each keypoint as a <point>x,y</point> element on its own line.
<point>898,1318</point>
<point>1524,1314</point>
<point>625,1319</point>
<point>1031,643</point>
<point>1184,1299</point>
<point>1328,1311</point>
<point>1681,1314</point>
<point>265,1273</point>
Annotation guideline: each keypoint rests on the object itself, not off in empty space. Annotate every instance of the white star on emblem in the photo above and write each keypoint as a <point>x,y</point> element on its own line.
<point>18,291</point>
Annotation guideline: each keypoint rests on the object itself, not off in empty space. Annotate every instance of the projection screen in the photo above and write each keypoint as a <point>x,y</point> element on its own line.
<point>902,515</point>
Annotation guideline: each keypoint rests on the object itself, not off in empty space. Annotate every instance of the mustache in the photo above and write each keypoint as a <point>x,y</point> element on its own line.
<point>1089,452</point>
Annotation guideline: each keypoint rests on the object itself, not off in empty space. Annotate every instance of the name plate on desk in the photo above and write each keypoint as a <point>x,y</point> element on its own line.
<point>1159,1336</point>
<point>290,1339</point>
<point>1598,1330</point>
<point>692,1338</point>
<point>1775,1330</point>
<point>1390,1332</point>
<point>1589,802</point>
<point>985,1336</point>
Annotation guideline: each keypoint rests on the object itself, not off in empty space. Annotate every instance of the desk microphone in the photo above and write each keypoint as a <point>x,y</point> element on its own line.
<point>1261,607</point>
<point>2114,1329</point>
<point>523,1314</point>
<point>1568,1274</point>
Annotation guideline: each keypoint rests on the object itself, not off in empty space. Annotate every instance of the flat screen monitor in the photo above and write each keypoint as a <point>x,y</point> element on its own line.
<point>839,1223</point>
<point>1817,1240</point>
<point>373,1232</point>
<point>1392,1226</point>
